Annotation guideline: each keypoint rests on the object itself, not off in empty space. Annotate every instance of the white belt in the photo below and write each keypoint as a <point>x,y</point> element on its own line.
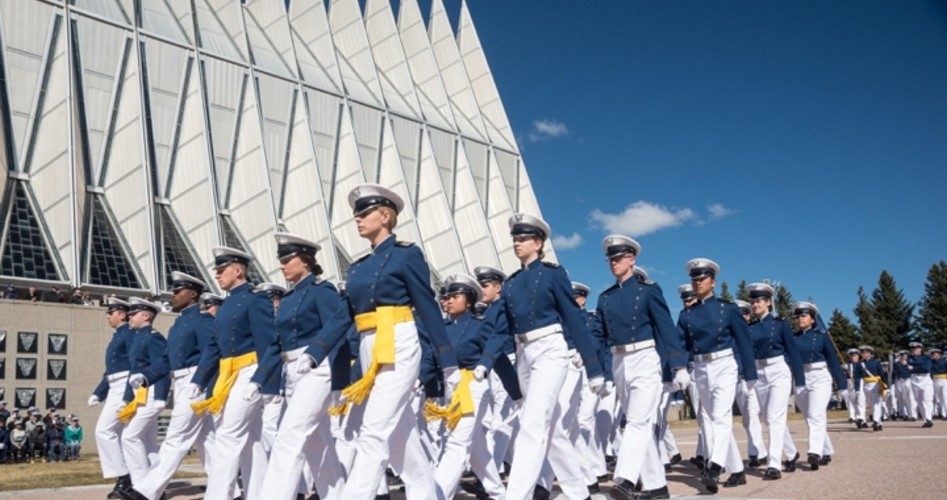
<point>532,335</point>
<point>633,347</point>
<point>921,375</point>
<point>814,366</point>
<point>704,358</point>
<point>761,363</point>
<point>118,376</point>
<point>290,356</point>
<point>183,372</point>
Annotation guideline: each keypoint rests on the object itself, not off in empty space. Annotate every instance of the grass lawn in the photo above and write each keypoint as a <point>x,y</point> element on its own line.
<point>60,474</point>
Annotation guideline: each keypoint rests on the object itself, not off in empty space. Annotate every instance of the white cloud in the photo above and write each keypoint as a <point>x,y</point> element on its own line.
<point>641,218</point>
<point>566,242</point>
<point>544,130</point>
<point>718,211</point>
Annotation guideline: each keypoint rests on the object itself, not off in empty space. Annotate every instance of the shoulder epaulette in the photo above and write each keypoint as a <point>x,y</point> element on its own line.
<point>479,317</point>
<point>404,244</point>
<point>725,301</point>
<point>551,264</point>
<point>360,259</point>
<point>643,281</point>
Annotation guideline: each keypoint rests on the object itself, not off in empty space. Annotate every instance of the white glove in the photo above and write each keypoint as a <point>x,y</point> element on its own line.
<point>137,380</point>
<point>577,360</point>
<point>272,399</point>
<point>750,385</point>
<point>479,373</point>
<point>418,388</point>
<point>192,391</point>
<point>798,389</point>
<point>304,364</point>
<point>682,378</point>
<point>94,400</point>
<point>597,385</point>
<point>609,388</point>
<point>252,391</point>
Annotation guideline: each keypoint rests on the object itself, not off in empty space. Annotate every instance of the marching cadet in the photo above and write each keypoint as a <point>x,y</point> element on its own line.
<point>688,299</point>
<point>939,375</point>
<point>907,407</point>
<point>111,390</point>
<point>210,303</point>
<point>272,390</point>
<point>637,323</point>
<point>821,365</point>
<point>244,331</point>
<point>778,364</point>
<point>272,291</point>
<point>591,403</point>
<point>311,322</point>
<point>718,339</point>
<point>147,391</point>
<point>541,310</point>
<point>873,385</point>
<point>469,399</point>
<point>856,397</point>
<point>749,406</point>
<point>187,339</point>
<point>920,366</point>
<point>386,289</point>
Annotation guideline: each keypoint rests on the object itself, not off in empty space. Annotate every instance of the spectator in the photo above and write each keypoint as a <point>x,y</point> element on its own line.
<point>57,295</point>
<point>19,443</point>
<point>76,297</point>
<point>4,443</point>
<point>36,435</point>
<point>73,436</point>
<point>34,295</point>
<point>9,293</point>
<point>4,414</point>
<point>55,447</point>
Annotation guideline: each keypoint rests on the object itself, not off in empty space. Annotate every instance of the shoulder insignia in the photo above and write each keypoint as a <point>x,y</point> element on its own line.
<point>551,264</point>
<point>725,301</point>
<point>479,317</point>
<point>360,259</point>
<point>404,244</point>
<point>643,281</point>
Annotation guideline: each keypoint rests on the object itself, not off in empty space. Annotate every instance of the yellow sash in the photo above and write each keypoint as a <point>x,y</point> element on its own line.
<point>128,411</point>
<point>941,376</point>
<point>871,380</point>
<point>383,321</point>
<point>226,377</point>
<point>461,403</point>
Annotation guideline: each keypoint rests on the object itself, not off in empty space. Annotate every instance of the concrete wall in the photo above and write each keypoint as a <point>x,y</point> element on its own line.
<point>87,336</point>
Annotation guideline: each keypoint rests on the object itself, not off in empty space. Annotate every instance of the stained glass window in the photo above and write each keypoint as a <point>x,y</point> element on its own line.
<point>108,264</point>
<point>25,254</point>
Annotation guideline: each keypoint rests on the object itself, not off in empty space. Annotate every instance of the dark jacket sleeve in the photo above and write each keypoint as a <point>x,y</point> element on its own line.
<point>665,332</point>
<point>334,314</point>
<point>210,354</point>
<point>831,359</point>
<point>101,391</point>
<point>575,325</point>
<point>157,366</point>
<point>497,332</point>
<point>266,343</point>
<point>417,277</point>
<point>507,373</point>
<point>793,359</point>
<point>741,335</point>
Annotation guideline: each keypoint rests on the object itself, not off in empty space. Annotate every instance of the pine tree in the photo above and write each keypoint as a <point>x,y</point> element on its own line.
<point>783,302</point>
<point>932,309</point>
<point>884,319</point>
<point>742,292</point>
<point>725,292</point>
<point>843,332</point>
<point>867,329</point>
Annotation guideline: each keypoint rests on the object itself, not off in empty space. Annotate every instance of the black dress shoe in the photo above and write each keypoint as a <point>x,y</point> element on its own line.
<point>314,496</point>
<point>754,461</point>
<point>475,488</point>
<point>623,491</point>
<point>710,476</point>
<point>661,492</point>
<point>603,478</point>
<point>698,461</point>
<point>790,465</point>
<point>676,459</point>
<point>300,496</point>
<point>594,488</point>
<point>386,496</point>
<point>772,474</point>
<point>667,468</point>
<point>735,479</point>
<point>826,460</point>
<point>875,426</point>
<point>540,493</point>
<point>131,494</point>
<point>927,424</point>
<point>814,461</point>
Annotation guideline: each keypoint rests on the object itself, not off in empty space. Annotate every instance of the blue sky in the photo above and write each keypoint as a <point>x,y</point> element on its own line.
<point>799,141</point>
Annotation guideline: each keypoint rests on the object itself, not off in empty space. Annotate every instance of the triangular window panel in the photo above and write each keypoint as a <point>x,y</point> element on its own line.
<point>344,263</point>
<point>25,254</point>
<point>232,239</point>
<point>108,264</point>
<point>177,256</point>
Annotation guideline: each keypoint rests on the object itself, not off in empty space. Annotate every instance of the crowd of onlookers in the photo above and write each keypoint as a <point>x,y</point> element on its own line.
<point>76,296</point>
<point>30,436</point>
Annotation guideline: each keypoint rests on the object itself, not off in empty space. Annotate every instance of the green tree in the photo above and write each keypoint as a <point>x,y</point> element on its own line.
<point>932,309</point>
<point>742,292</point>
<point>725,292</point>
<point>843,332</point>
<point>783,301</point>
<point>893,313</point>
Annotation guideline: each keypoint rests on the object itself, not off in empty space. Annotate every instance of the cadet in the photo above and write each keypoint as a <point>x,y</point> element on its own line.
<point>778,364</point>
<point>749,406</point>
<point>637,323</point>
<point>688,299</point>
<point>469,399</point>
<point>111,390</point>
<point>939,374</point>
<point>244,330</point>
<point>718,340</point>
<point>873,385</point>
<point>187,339</point>
<point>856,397</point>
<point>210,303</point>
<point>821,365</point>
<point>920,366</point>
<point>538,300</point>
<point>147,391</point>
<point>272,390</point>
<point>907,407</point>
<point>386,289</point>
<point>592,404</point>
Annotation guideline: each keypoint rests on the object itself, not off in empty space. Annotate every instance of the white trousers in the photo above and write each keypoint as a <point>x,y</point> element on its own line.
<point>388,423</point>
<point>468,440</point>
<point>304,433</point>
<point>238,429</point>
<point>639,386</point>
<point>872,392</point>
<point>772,390</point>
<point>813,400</point>
<point>750,416</point>
<point>923,388</point>
<point>498,421</point>
<point>542,366</point>
<point>940,395</point>
<point>906,403</point>
<point>700,449</point>
<point>108,431</point>
<point>140,438</point>
<point>184,428</point>
<point>605,427</point>
<point>594,463</point>
<point>716,387</point>
<point>580,420</point>
<point>568,429</point>
<point>667,446</point>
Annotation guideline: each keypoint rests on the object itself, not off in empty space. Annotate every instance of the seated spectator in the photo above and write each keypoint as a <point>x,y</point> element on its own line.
<point>73,437</point>
<point>19,443</point>
<point>77,297</point>
<point>4,443</point>
<point>4,414</point>
<point>57,295</point>
<point>9,293</point>
<point>55,443</point>
<point>36,434</point>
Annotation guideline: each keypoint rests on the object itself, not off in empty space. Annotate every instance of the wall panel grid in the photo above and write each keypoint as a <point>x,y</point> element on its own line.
<point>137,135</point>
